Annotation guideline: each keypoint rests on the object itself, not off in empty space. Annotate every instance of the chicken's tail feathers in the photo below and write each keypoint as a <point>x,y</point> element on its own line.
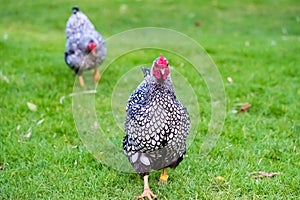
<point>68,62</point>
<point>75,9</point>
<point>66,58</point>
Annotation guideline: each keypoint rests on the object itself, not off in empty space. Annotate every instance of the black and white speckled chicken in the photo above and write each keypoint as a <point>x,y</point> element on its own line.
<point>85,47</point>
<point>157,125</point>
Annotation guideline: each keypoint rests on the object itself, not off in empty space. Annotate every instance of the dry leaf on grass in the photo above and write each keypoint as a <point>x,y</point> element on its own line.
<point>61,99</point>
<point>234,111</point>
<point>77,93</point>
<point>3,77</point>
<point>219,182</point>
<point>229,79</point>
<point>220,178</point>
<point>28,134</point>
<point>2,166</point>
<point>96,125</point>
<point>75,162</point>
<point>198,23</point>
<point>32,106</point>
<point>40,122</point>
<point>261,174</point>
<point>245,107</point>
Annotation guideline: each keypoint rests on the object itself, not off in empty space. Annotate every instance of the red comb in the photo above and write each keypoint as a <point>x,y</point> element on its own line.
<point>162,60</point>
<point>92,46</point>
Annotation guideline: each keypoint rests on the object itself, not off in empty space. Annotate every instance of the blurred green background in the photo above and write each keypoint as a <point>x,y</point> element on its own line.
<point>256,43</point>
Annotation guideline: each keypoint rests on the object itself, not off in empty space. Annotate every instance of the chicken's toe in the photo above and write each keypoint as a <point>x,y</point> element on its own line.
<point>147,193</point>
<point>163,179</point>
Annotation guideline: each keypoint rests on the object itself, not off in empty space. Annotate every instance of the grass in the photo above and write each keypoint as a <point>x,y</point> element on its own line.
<point>256,43</point>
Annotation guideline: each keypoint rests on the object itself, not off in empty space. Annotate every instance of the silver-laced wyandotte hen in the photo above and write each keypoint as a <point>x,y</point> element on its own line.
<point>157,125</point>
<point>85,47</point>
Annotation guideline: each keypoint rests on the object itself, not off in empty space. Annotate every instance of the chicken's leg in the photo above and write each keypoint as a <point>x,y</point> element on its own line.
<point>147,192</point>
<point>96,75</point>
<point>81,81</point>
<point>163,177</point>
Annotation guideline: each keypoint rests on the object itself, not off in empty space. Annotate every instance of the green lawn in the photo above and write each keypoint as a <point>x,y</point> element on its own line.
<point>255,43</point>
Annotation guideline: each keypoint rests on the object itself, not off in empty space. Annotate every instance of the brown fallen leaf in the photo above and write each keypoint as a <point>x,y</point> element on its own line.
<point>261,174</point>
<point>2,166</point>
<point>198,23</point>
<point>245,107</point>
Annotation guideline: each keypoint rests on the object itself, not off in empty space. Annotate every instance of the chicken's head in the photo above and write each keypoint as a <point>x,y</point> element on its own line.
<point>92,47</point>
<point>160,68</point>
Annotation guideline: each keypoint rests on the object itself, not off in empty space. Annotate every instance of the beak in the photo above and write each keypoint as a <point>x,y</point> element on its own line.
<point>162,72</point>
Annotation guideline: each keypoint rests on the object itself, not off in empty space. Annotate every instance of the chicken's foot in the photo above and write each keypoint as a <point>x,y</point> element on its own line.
<point>81,81</point>
<point>96,76</point>
<point>163,177</point>
<point>147,192</point>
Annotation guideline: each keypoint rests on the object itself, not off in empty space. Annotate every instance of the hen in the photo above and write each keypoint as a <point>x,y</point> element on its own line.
<point>85,47</point>
<point>156,126</point>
